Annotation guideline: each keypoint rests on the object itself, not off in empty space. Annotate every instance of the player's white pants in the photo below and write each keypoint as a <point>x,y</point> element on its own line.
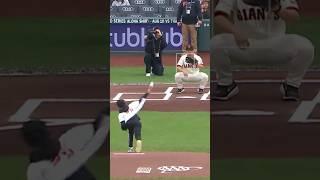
<point>294,51</point>
<point>201,78</point>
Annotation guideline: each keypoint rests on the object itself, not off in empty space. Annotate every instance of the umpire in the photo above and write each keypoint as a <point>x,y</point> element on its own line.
<point>155,43</point>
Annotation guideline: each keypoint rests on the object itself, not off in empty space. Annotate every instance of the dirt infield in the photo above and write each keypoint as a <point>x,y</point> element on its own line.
<point>257,123</point>
<point>67,99</point>
<point>163,98</point>
<point>162,164</point>
<point>136,60</point>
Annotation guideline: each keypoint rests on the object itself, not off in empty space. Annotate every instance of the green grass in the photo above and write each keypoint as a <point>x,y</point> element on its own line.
<point>53,43</point>
<point>310,28</point>
<point>267,169</point>
<point>137,75</point>
<point>166,131</point>
<point>15,167</point>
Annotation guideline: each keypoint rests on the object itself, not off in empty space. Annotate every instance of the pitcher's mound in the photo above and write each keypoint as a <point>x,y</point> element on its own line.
<point>160,164</point>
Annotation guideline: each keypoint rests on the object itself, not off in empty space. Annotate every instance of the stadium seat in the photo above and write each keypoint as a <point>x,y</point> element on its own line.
<point>140,2</point>
<point>135,15</point>
<point>175,3</point>
<point>169,11</point>
<point>114,12</point>
<point>114,9</point>
<point>160,2</point>
<point>126,10</point>
<point>158,15</point>
<point>148,11</point>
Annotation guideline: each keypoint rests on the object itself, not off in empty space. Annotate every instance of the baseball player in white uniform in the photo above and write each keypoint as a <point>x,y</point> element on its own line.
<point>188,70</point>
<point>65,158</point>
<point>254,32</point>
<point>129,119</point>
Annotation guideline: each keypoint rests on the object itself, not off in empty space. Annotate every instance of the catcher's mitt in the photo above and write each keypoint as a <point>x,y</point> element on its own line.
<point>266,4</point>
<point>192,61</point>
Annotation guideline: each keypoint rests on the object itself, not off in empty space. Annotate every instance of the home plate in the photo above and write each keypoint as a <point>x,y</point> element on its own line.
<point>185,97</point>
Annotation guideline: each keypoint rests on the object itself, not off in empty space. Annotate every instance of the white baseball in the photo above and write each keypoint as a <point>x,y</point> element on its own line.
<point>151,84</point>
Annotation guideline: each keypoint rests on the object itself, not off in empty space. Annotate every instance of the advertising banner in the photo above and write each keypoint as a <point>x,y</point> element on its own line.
<point>128,34</point>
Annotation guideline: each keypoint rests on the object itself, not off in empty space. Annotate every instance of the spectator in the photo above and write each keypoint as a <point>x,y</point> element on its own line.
<point>155,43</point>
<point>120,3</point>
<point>205,10</point>
<point>189,17</point>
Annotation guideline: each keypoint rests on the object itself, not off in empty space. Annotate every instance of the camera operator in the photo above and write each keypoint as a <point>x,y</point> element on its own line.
<point>155,43</point>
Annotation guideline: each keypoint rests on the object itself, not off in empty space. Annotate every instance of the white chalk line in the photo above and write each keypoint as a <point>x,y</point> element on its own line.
<point>128,154</point>
<point>167,95</point>
<point>186,97</point>
<point>51,122</point>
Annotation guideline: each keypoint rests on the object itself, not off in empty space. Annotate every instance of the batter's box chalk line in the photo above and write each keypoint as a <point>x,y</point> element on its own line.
<point>128,154</point>
<point>167,95</point>
<point>304,110</point>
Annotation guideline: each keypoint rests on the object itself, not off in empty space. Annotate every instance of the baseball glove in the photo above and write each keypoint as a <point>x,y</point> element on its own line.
<point>265,4</point>
<point>192,61</point>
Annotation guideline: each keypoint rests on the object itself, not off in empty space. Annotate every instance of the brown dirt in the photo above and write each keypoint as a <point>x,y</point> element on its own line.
<point>16,90</point>
<point>267,75</point>
<point>265,136</point>
<point>135,60</point>
<point>125,165</point>
<point>174,104</point>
